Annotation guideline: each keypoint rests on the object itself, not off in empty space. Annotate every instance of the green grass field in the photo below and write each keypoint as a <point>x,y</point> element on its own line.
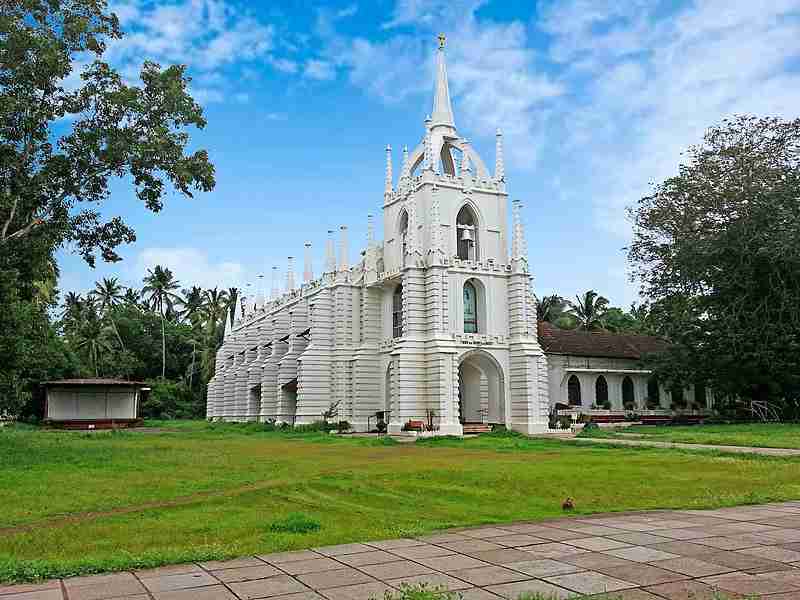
<point>78,503</point>
<point>768,435</point>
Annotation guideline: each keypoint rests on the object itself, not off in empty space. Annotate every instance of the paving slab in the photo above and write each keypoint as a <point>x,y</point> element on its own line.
<point>440,580</point>
<point>532,586</point>
<point>544,567</point>
<point>590,582</point>
<point>337,578</point>
<point>266,588</point>
<point>483,576</point>
<point>246,573</point>
<point>46,594</point>
<point>214,592</point>
<point>374,557</point>
<point>359,591</point>
<point>278,558</point>
<point>641,554</point>
<point>313,565</point>
<point>395,570</point>
<point>425,551</point>
<point>169,583</point>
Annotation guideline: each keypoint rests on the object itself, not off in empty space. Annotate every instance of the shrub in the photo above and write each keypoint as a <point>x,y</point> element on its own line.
<point>343,426</point>
<point>381,426</point>
<point>169,400</point>
<point>295,523</point>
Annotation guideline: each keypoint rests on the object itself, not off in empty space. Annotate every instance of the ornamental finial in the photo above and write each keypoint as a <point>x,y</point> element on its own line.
<point>442,40</point>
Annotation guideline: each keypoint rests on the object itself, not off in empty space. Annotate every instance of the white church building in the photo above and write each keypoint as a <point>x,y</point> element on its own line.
<point>436,322</point>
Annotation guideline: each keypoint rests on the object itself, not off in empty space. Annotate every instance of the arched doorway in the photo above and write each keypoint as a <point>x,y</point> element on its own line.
<point>628,397</point>
<point>574,391</point>
<point>481,389</point>
<point>653,393</point>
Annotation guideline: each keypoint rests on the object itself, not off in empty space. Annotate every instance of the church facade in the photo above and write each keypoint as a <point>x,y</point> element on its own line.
<point>435,323</point>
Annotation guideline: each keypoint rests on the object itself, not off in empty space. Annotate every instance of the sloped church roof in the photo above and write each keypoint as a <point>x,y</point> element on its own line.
<point>554,340</point>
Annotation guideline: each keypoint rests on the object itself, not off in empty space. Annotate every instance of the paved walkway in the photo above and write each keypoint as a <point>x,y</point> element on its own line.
<point>656,444</point>
<point>662,555</point>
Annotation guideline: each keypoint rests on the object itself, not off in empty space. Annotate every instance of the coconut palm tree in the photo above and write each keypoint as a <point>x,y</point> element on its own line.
<point>193,300</point>
<point>551,308</point>
<point>159,290</point>
<point>93,336</point>
<point>108,294</point>
<point>73,306</point>
<point>589,310</point>
<point>132,297</point>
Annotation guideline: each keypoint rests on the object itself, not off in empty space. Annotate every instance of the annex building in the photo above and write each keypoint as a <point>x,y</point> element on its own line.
<point>437,320</point>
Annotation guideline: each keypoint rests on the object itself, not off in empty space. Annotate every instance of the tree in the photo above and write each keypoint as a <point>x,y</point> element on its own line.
<point>108,294</point>
<point>94,338</point>
<point>110,129</point>
<point>551,308</point>
<point>716,249</point>
<point>588,311</point>
<point>160,286</point>
<point>193,300</point>
<point>233,299</point>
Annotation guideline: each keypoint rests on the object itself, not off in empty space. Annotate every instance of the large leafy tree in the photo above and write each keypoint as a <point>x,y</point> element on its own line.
<point>717,248</point>
<point>67,132</point>
<point>159,289</point>
<point>61,146</point>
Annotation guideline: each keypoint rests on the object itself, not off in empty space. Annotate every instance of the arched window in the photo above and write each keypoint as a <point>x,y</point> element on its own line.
<point>628,397</point>
<point>470,308</point>
<point>574,391</point>
<point>466,234</point>
<point>601,391</point>
<point>403,237</point>
<point>653,392</point>
<point>397,312</point>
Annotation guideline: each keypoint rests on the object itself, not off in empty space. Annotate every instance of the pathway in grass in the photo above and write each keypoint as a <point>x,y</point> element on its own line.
<point>726,553</point>
<point>81,503</point>
<point>764,435</point>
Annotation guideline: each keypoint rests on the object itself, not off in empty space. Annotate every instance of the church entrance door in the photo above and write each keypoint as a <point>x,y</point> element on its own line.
<point>481,389</point>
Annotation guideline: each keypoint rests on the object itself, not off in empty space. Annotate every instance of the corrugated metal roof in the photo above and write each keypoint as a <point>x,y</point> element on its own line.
<point>599,344</point>
<point>93,381</point>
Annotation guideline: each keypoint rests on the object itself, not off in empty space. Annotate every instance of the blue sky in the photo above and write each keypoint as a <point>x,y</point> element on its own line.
<point>596,98</point>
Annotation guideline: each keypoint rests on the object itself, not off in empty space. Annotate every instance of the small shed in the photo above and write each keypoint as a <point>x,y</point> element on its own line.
<point>93,403</point>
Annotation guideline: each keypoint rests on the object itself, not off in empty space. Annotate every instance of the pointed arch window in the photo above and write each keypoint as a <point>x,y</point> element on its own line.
<point>397,312</point>
<point>601,391</point>
<point>628,397</point>
<point>574,391</point>
<point>470,308</point>
<point>466,234</point>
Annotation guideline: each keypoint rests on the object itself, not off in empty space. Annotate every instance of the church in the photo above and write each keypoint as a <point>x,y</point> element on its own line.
<point>436,323</point>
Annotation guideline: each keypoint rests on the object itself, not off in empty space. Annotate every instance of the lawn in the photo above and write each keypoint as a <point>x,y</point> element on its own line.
<point>78,503</point>
<point>768,435</point>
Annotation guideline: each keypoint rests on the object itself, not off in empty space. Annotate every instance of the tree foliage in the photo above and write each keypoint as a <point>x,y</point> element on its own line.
<point>717,248</point>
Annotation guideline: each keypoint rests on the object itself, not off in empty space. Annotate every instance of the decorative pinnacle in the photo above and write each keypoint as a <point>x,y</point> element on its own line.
<point>275,291</point>
<point>519,247</point>
<point>344,251</point>
<point>308,268</point>
<point>290,274</point>
<point>388,187</point>
<point>330,254</point>
<point>499,165</point>
<point>370,231</point>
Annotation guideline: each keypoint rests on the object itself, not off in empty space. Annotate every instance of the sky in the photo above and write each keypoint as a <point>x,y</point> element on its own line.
<point>597,100</point>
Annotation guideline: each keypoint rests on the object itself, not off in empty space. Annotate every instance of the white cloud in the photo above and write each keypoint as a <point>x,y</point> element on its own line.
<point>320,70</point>
<point>284,65</point>
<point>190,266</point>
<point>211,36</point>
<point>652,85</point>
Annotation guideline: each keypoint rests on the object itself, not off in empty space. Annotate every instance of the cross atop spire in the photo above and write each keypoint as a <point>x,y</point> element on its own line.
<point>442,109</point>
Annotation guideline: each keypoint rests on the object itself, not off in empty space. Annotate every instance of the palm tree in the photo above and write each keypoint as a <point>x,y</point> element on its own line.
<point>159,289</point>
<point>551,308</point>
<point>108,294</point>
<point>215,312</point>
<point>93,335</point>
<point>589,310</point>
<point>193,300</point>
<point>73,308</point>
<point>132,297</point>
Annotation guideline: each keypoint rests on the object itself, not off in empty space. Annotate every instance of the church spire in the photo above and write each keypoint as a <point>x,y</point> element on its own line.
<point>442,110</point>
<point>275,291</point>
